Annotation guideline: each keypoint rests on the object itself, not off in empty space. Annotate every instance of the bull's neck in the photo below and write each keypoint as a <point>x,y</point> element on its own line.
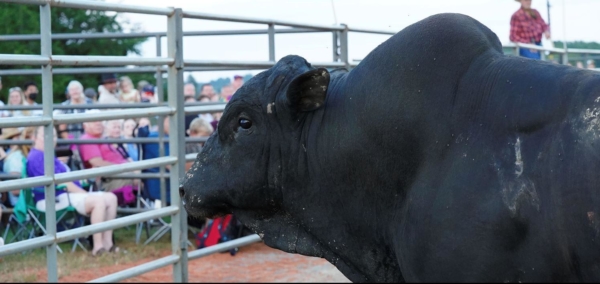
<point>330,171</point>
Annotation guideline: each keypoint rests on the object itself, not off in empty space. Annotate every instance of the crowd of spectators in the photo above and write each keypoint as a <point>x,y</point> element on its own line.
<point>99,199</point>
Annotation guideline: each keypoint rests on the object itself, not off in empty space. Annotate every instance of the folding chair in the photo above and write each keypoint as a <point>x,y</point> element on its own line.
<point>19,224</point>
<point>67,218</point>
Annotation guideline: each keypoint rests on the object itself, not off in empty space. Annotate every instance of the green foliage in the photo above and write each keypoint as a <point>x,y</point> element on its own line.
<point>24,19</point>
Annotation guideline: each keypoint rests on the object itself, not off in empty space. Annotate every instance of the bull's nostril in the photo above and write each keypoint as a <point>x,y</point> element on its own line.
<point>181,191</point>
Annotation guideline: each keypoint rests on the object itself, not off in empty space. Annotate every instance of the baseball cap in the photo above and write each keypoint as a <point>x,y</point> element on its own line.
<point>149,88</point>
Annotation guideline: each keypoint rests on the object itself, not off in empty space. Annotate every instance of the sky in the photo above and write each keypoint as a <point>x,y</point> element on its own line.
<point>582,23</point>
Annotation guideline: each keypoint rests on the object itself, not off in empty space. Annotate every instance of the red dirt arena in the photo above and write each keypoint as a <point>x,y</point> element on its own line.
<point>253,263</point>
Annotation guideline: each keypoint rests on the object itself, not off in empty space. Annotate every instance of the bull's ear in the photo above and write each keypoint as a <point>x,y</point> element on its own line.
<point>307,91</point>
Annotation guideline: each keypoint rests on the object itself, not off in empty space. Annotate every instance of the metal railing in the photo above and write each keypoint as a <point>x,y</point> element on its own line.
<point>174,64</point>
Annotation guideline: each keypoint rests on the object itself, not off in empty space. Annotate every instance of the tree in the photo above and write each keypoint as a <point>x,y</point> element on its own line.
<point>24,19</point>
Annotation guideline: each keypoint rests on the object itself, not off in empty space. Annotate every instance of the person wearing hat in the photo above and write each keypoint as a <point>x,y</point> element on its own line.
<point>108,89</point>
<point>528,26</point>
<point>148,95</point>
<point>91,94</point>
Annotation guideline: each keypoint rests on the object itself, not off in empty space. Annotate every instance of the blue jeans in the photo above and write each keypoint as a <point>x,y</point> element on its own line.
<point>526,52</point>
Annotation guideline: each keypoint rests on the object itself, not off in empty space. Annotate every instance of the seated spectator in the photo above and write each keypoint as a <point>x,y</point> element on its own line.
<point>108,92</point>
<point>237,83</point>
<point>579,64</point>
<point>148,94</point>
<point>13,162</point>
<point>129,127</point>
<point>16,98</point>
<point>209,91</point>
<point>591,64</point>
<point>91,94</point>
<point>150,151</point>
<point>31,93</point>
<point>76,97</point>
<point>140,85</point>
<point>226,93</point>
<point>199,128</point>
<point>206,116</point>
<point>100,155</point>
<point>127,93</point>
<point>99,206</point>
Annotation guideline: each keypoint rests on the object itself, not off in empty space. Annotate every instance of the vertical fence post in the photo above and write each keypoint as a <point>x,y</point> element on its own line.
<point>177,149</point>
<point>160,121</point>
<point>47,101</point>
<point>335,47</point>
<point>272,42</point>
<point>344,46</point>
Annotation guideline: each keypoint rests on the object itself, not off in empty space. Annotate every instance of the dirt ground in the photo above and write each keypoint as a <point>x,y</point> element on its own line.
<point>253,263</point>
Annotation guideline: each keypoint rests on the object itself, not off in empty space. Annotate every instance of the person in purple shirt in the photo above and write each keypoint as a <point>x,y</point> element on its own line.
<point>99,206</point>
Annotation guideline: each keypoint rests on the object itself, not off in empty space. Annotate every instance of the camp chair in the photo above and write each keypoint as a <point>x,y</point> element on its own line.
<point>20,225</point>
<point>66,218</point>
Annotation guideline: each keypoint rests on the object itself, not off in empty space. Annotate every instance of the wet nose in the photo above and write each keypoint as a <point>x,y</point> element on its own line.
<point>181,191</point>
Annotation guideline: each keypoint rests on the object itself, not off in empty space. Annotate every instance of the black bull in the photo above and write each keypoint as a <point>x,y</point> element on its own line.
<point>437,158</point>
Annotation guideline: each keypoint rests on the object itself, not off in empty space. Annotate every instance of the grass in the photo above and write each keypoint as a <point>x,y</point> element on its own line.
<point>25,267</point>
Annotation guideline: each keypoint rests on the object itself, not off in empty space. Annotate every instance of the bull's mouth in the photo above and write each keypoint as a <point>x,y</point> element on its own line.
<point>202,211</point>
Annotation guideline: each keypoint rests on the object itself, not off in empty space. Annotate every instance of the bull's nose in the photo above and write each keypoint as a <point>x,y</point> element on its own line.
<point>181,191</point>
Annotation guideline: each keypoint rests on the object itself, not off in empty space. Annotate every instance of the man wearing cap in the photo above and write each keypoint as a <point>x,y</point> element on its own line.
<point>527,26</point>
<point>148,95</point>
<point>91,94</point>
<point>108,89</point>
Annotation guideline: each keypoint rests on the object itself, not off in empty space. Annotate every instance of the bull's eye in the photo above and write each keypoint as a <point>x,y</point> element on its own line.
<point>245,123</point>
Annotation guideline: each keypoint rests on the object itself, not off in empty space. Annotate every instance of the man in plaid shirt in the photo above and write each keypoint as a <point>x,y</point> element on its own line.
<point>527,26</point>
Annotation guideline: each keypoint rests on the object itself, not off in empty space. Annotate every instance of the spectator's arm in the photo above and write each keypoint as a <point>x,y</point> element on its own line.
<point>514,28</point>
<point>73,188</point>
<point>99,162</point>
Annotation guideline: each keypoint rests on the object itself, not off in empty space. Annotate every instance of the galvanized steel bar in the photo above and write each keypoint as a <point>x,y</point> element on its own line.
<point>137,270</point>
<point>344,47</point>
<point>155,34</point>
<point>115,223</point>
<point>6,186</point>
<point>335,46</point>
<point>102,141</point>
<point>369,31</point>
<point>108,115</point>
<point>47,100</point>
<point>97,70</point>
<point>106,106</point>
<point>80,60</point>
<point>250,64</point>
<point>34,243</point>
<point>114,169</point>
<point>205,16</point>
<point>87,60</point>
<point>204,109</point>
<point>176,134</point>
<point>271,42</point>
<point>21,59</point>
<point>191,157</point>
<point>161,135</point>
<point>224,246</point>
<point>97,5</point>
<point>24,121</point>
